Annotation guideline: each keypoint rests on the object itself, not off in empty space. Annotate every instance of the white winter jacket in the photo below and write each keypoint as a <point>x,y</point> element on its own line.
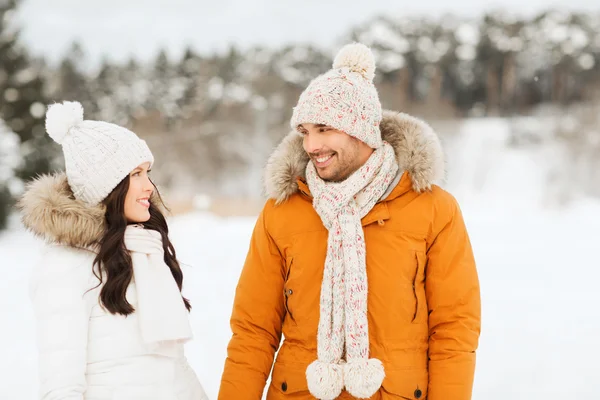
<point>85,352</point>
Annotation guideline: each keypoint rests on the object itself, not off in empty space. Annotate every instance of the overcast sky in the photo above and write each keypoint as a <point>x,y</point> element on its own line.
<point>121,28</point>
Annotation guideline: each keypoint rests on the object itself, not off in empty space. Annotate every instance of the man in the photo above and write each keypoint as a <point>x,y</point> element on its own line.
<point>361,262</point>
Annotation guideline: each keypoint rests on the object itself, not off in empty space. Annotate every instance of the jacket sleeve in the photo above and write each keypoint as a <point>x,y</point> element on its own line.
<point>256,320</point>
<point>452,288</point>
<point>61,314</point>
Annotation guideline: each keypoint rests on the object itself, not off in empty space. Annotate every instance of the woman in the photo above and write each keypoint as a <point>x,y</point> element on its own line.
<point>111,319</point>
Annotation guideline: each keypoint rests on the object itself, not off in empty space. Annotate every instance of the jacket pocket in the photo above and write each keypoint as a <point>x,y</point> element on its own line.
<point>288,381</point>
<point>407,384</point>
<point>288,291</point>
<point>418,288</point>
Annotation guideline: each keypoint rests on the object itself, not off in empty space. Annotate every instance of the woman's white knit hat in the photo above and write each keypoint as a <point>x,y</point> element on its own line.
<point>98,155</point>
<point>345,97</point>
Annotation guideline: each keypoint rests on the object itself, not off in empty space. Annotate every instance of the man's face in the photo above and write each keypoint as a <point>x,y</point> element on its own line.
<point>335,154</point>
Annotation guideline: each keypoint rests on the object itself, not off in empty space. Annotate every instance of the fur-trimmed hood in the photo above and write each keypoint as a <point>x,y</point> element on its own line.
<point>417,147</point>
<point>50,211</point>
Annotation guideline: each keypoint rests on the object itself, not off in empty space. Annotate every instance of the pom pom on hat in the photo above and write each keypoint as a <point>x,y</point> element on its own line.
<point>358,58</point>
<point>60,118</point>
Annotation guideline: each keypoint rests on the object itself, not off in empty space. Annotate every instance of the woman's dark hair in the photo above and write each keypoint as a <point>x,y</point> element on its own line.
<point>113,261</point>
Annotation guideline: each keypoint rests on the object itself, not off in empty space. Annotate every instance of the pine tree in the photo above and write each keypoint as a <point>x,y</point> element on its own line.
<point>190,70</point>
<point>72,85</point>
<point>9,161</point>
<point>22,103</point>
<point>111,92</point>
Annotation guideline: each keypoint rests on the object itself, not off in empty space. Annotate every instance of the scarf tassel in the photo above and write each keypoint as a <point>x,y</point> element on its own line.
<point>361,378</point>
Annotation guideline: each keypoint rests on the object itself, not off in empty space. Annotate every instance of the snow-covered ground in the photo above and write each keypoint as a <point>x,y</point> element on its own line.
<point>538,268</point>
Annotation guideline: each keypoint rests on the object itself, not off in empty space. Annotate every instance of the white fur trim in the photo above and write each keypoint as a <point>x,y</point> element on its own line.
<point>363,378</point>
<point>60,118</point>
<point>358,58</point>
<point>325,380</point>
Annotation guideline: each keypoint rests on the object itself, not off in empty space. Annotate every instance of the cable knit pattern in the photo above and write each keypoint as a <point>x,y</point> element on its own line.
<point>343,324</point>
<point>98,155</point>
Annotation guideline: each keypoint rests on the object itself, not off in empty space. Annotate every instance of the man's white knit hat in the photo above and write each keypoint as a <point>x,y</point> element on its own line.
<point>345,97</point>
<point>98,155</point>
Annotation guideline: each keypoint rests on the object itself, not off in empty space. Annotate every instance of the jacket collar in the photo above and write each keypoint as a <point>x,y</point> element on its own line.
<point>417,147</point>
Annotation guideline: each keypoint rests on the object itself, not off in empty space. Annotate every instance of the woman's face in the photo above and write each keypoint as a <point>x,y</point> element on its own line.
<point>137,200</point>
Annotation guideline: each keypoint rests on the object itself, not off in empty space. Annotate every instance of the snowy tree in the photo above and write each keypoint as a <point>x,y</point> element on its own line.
<point>70,82</point>
<point>300,64</point>
<point>9,162</point>
<point>168,89</point>
<point>222,113</point>
<point>190,68</point>
<point>22,104</point>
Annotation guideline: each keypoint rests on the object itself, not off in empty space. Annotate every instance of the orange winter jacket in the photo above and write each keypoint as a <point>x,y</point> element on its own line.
<point>423,289</point>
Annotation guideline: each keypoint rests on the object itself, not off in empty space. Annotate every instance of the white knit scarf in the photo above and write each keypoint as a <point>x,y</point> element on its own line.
<point>343,324</point>
<point>160,308</point>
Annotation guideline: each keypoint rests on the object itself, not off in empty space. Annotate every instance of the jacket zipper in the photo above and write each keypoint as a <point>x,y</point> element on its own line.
<point>414,287</point>
<point>288,292</point>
